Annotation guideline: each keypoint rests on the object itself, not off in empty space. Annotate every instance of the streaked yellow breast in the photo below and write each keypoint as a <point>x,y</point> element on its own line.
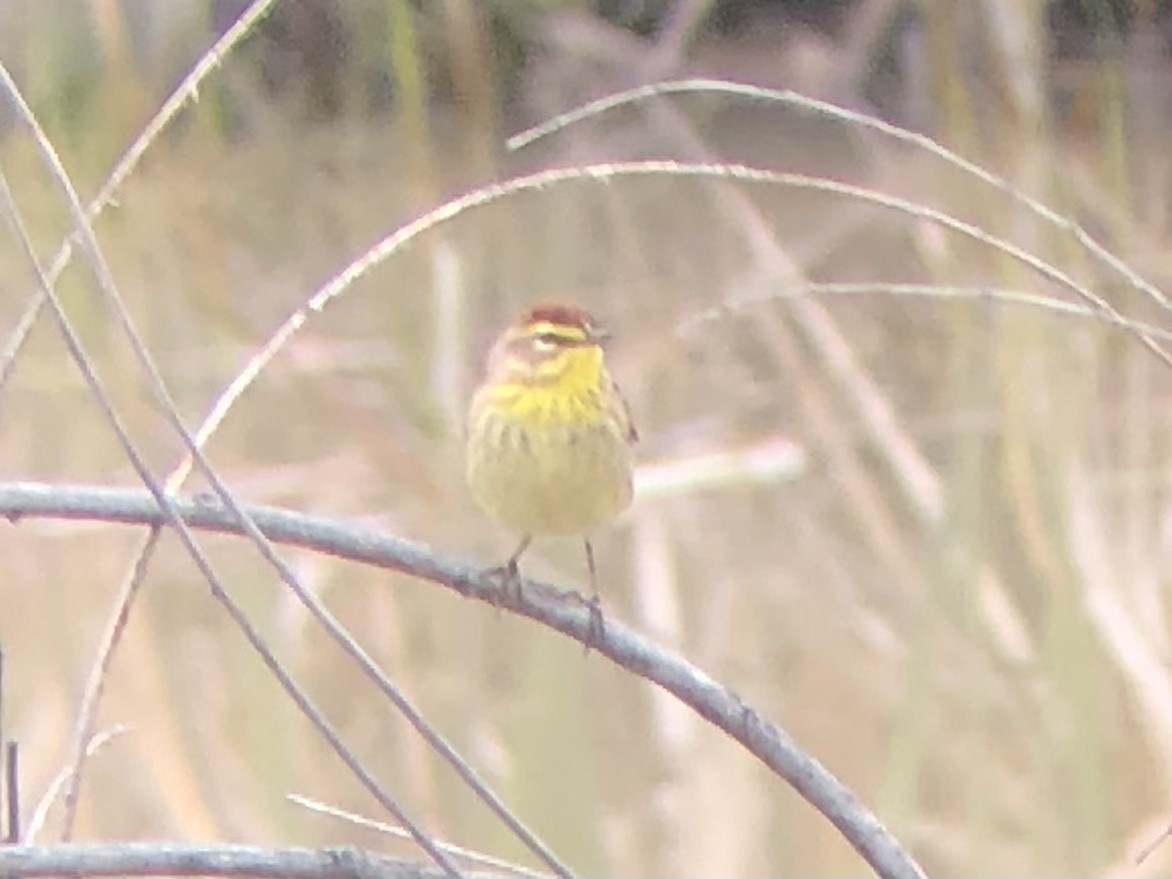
<point>550,457</point>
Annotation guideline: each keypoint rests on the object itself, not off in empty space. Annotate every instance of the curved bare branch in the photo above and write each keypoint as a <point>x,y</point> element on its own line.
<point>540,601</point>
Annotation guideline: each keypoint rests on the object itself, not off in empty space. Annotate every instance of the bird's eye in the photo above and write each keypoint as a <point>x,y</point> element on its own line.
<point>548,340</point>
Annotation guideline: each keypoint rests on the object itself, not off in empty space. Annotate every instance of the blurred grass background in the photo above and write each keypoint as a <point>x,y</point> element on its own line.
<point>973,636</point>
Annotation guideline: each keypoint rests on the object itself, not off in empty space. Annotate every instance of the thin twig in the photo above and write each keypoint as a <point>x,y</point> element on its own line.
<point>77,352</point>
<point>12,788</point>
<point>478,858</point>
<point>187,90</point>
<point>539,601</point>
<point>88,711</point>
<point>40,813</point>
<point>921,141</point>
<point>604,173</point>
<point>4,834</point>
<point>267,551</point>
<point>1026,299</point>
<point>1146,851</point>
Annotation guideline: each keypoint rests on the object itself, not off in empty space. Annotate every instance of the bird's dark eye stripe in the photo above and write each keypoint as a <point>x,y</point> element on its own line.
<point>557,339</point>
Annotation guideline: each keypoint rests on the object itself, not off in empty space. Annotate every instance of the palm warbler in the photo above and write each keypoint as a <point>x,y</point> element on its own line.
<point>549,433</point>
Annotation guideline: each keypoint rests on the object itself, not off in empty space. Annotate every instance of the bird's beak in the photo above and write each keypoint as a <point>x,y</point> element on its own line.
<point>598,336</point>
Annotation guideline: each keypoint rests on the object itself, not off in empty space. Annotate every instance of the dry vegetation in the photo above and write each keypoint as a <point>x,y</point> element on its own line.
<point>905,462</point>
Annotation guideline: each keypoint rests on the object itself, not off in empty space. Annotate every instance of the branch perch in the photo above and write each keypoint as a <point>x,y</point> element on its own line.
<point>542,602</point>
<point>124,859</point>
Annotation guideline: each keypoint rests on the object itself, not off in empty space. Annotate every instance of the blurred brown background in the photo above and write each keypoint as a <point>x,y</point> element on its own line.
<point>959,606</point>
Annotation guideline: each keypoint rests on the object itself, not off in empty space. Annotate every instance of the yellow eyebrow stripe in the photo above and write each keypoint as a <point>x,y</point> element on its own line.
<point>565,331</point>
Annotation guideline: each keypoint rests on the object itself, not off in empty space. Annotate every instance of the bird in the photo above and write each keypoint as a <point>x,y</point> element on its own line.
<point>550,437</point>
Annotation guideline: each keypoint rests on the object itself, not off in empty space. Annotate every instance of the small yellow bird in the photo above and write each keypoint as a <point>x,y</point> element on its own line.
<point>549,432</point>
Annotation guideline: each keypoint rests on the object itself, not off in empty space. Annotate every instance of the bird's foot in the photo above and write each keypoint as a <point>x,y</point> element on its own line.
<point>507,579</point>
<point>596,628</point>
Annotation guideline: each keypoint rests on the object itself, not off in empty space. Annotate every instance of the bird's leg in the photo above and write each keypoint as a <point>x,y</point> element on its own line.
<point>511,564</point>
<point>595,632</point>
<point>510,573</point>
